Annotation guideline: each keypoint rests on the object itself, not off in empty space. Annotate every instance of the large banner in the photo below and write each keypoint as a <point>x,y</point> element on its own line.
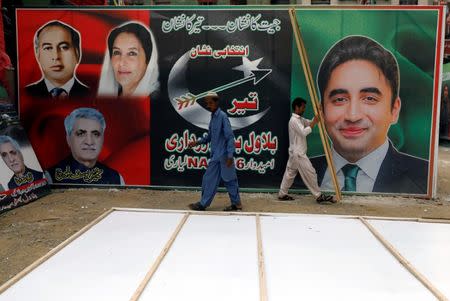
<point>113,97</point>
<point>22,179</point>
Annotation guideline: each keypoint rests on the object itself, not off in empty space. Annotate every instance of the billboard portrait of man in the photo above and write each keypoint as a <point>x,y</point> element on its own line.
<point>358,82</point>
<point>85,129</point>
<point>13,158</point>
<point>57,49</point>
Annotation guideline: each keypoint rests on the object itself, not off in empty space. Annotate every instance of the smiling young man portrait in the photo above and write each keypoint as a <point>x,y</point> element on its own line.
<point>359,83</point>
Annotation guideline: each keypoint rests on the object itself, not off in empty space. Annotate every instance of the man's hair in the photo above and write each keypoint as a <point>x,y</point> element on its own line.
<point>7,139</point>
<point>75,35</point>
<point>297,102</point>
<point>360,48</point>
<point>139,31</point>
<point>87,113</point>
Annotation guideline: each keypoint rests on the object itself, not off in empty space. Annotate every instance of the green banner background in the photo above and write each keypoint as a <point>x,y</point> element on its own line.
<point>409,35</point>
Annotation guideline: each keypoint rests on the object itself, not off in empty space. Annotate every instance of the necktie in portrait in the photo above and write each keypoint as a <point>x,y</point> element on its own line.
<point>350,172</point>
<point>58,93</point>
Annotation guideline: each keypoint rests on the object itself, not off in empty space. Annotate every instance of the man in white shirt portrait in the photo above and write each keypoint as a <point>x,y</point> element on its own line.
<point>58,52</point>
<point>298,161</point>
<point>358,82</point>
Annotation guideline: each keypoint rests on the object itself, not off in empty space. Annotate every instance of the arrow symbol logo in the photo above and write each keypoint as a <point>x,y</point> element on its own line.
<point>189,99</point>
<point>193,112</point>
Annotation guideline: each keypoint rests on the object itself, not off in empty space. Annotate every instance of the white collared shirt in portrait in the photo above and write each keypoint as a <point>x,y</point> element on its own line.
<point>369,167</point>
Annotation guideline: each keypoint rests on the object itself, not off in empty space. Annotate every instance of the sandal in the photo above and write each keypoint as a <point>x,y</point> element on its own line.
<point>232,208</point>
<point>196,206</point>
<point>285,198</point>
<point>325,198</point>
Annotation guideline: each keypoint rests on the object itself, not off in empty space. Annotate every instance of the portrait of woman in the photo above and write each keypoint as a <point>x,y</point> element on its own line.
<point>130,65</point>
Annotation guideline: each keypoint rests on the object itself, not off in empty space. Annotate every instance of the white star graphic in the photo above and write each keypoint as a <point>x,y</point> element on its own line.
<point>247,66</point>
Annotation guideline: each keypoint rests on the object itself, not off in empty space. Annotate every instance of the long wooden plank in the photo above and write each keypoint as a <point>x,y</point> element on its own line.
<point>213,258</point>
<point>52,252</point>
<point>314,99</point>
<point>261,265</point>
<point>158,261</point>
<point>404,262</point>
<point>327,258</point>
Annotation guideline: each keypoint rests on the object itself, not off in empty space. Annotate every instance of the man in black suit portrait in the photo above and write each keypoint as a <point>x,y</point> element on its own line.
<point>85,129</point>
<point>58,52</point>
<point>13,158</point>
<point>359,86</point>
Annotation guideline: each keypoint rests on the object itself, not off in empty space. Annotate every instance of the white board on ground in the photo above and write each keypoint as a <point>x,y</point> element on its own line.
<point>425,245</point>
<point>106,263</point>
<point>327,258</point>
<point>212,258</point>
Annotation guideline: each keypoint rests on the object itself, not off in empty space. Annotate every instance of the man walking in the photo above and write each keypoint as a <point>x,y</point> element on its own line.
<point>221,163</point>
<point>299,128</point>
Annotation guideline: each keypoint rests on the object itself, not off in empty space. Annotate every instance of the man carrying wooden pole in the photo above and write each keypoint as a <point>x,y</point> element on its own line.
<point>299,128</point>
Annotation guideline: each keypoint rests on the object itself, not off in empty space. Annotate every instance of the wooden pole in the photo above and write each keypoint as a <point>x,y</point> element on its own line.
<point>314,99</point>
<point>404,262</point>
<point>261,265</point>
<point>158,261</point>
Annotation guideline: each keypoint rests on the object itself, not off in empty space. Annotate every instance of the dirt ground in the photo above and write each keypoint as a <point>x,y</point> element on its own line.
<point>29,232</point>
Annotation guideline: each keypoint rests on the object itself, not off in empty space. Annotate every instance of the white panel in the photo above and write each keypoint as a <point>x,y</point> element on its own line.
<point>325,258</point>
<point>106,263</point>
<point>425,245</point>
<point>213,258</point>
